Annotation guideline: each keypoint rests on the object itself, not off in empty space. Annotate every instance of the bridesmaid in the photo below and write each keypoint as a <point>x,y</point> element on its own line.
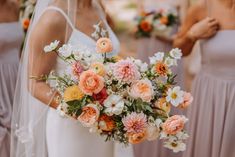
<point>11,36</point>
<point>212,115</point>
<point>147,48</point>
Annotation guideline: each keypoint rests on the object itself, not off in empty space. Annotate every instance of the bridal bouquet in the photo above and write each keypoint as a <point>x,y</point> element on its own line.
<point>124,100</point>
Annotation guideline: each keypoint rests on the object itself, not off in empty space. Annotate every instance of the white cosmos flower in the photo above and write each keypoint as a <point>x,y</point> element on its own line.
<point>175,96</point>
<point>170,62</point>
<point>157,57</point>
<point>52,46</point>
<point>114,105</point>
<point>176,146</point>
<point>176,53</point>
<point>66,50</point>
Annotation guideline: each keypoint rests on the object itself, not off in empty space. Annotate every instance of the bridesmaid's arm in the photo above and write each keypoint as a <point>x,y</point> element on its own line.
<point>183,7</point>
<point>184,39</point>
<point>41,63</point>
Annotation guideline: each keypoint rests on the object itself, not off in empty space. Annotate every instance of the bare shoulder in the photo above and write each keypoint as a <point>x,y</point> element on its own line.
<point>198,11</point>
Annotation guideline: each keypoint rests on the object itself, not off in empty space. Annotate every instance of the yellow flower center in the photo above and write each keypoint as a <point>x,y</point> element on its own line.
<point>173,95</point>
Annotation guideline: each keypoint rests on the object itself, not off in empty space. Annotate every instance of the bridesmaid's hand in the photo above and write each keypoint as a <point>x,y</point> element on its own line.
<point>206,28</point>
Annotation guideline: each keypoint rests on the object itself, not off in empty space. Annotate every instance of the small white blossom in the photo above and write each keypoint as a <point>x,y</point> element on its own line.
<point>52,46</point>
<point>176,53</point>
<point>182,135</point>
<point>97,27</point>
<point>114,105</point>
<point>104,33</point>
<point>158,122</point>
<point>142,66</point>
<point>66,50</point>
<point>158,57</point>
<point>170,62</point>
<point>176,146</point>
<point>95,35</point>
<point>175,96</point>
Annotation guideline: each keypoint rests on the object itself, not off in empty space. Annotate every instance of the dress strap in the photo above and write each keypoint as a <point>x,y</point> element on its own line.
<point>62,13</point>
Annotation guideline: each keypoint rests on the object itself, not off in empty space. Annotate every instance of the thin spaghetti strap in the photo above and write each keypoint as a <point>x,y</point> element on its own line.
<point>63,13</point>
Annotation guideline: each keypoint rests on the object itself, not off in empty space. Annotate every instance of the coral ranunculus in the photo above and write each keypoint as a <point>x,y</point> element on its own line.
<point>161,69</point>
<point>73,93</point>
<point>146,26</point>
<point>91,83</point>
<point>98,68</point>
<point>174,124</point>
<point>104,45</point>
<point>89,116</point>
<point>106,123</point>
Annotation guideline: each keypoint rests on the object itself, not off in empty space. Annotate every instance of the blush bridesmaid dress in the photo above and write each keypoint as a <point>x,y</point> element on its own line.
<point>211,117</point>
<point>11,38</point>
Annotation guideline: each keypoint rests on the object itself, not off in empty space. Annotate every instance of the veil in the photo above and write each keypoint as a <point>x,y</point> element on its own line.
<point>33,97</point>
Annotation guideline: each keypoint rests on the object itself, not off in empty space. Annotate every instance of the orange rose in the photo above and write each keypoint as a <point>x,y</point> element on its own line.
<point>104,45</point>
<point>106,123</point>
<point>90,82</point>
<point>26,23</point>
<point>145,26</point>
<point>164,20</point>
<point>136,138</point>
<point>89,116</point>
<point>174,124</point>
<point>161,69</point>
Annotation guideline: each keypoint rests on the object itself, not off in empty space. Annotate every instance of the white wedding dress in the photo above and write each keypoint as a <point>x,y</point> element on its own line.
<point>66,137</point>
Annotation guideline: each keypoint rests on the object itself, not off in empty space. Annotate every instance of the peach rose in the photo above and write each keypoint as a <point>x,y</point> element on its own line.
<point>90,82</point>
<point>188,99</point>
<point>163,105</point>
<point>135,138</point>
<point>161,69</point>
<point>104,45</point>
<point>89,116</point>
<point>142,89</point>
<point>106,123</point>
<point>98,68</point>
<point>174,124</point>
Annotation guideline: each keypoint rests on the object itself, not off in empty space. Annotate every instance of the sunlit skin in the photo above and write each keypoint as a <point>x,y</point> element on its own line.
<point>41,63</point>
<point>203,23</point>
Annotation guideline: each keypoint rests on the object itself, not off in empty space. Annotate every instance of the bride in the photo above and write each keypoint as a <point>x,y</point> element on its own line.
<point>38,130</point>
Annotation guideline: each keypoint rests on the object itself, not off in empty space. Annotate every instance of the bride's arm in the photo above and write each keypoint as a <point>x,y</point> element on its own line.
<point>50,27</point>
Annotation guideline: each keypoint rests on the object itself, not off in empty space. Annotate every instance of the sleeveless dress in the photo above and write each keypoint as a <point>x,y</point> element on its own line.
<point>66,137</point>
<point>11,38</point>
<point>212,114</point>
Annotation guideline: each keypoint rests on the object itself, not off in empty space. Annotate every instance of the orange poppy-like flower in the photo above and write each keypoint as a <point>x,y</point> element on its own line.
<point>89,116</point>
<point>164,20</point>
<point>91,83</point>
<point>135,138</point>
<point>146,26</point>
<point>104,45</point>
<point>106,123</point>
<point>26,23</point>
<point>161,69</point>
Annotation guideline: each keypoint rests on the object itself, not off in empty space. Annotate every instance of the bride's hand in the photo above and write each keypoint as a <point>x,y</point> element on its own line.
<point>206,28</point>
